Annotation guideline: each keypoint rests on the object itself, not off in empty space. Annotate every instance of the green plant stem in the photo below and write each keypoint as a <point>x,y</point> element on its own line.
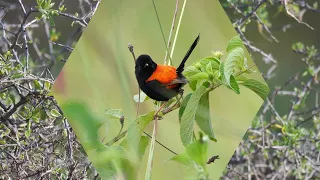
<point>169,39</point>
<point>151,152</point>
<point>178,27</point>
<point>117,138</point>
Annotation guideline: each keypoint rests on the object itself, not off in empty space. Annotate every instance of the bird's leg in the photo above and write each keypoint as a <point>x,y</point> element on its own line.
<point>173,107</point>
<point>157,112</point>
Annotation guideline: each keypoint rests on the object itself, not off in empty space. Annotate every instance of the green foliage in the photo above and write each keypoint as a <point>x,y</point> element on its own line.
<point>259,88</point>
<point>109,160</point>
<point>188,115</point>
<point>195,156</point>
<point>45,8</point>
<point>202,116</point>
<point>207,74</point>
<point>136,128</point>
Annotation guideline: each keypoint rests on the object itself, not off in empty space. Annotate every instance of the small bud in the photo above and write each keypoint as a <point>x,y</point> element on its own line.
<point>122,120</point>
<point>217,54</point>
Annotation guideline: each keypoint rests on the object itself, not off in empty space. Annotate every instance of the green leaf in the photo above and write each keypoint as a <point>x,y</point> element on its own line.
<point>234,85</point>
<point>143,144</point>
<point>241,78</point>
<point>12,97</point>
<point>136,128</point>
<point>193,85</point>
<point>51,21</point>
<point>28,131</point>
<point>143,97</point>
<point>4,130</point>
<point>197,151</point>
<point>198,76</point>
<point>114,113</point>
<point>190,70</point>
<point>203,118</point>
<point>55,113</point>
<point>37,84</point>
<point>17,76</point>
<point>183,158</point>
<point>209,68</point>
<point>214,61</point>
<point>36,115</point>
<point>2,141</point>
<point>188,116</point>
<point>235,42</point>
<point>258,87</point>
<point>233,59</point>
<point>184,105</point>
<point>47,85</point>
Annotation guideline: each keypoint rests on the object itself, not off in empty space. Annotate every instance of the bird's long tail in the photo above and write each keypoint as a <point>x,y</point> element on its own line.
<point>194,44</point>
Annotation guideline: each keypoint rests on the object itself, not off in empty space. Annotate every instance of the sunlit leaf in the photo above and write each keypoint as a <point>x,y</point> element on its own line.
<point>258,87</point>
<point>184,105</point>
<point>198,76</point>
<point>136,128</point>
<point>190,70</point>
<point>233,59</point>
<point>188,116</point>
<point>55,113</point>
<point>197,151</point>
<point>143,144</point>
<point>203,118</point>
<point>235,42</point>
<point>183,158</point>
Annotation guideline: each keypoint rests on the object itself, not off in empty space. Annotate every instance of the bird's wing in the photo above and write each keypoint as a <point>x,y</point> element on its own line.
<point>177,81</point>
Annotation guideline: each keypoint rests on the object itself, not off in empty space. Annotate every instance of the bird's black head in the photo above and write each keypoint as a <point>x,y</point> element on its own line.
<point>145,66</point>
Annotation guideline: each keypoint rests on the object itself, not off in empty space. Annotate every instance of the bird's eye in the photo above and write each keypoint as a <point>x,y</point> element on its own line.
<point>146,65</point>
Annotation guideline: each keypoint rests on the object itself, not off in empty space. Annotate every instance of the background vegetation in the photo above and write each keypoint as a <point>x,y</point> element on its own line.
<point>36,39</point>
<point>283,140</point>
<point>36,141</point>
<point>102,60</point>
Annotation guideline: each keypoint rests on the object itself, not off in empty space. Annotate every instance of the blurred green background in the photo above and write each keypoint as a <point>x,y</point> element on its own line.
<point>100,71</point>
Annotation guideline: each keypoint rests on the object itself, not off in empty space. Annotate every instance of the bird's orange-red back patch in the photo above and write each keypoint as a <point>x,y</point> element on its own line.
<point>164,74</point>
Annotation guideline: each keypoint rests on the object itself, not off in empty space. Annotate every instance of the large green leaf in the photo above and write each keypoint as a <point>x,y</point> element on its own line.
<point>203,118</point>
<point>184,105</point>
<point>83,122</point>
<point>235,42</point>
<point>86,125</point>
<point>183,158</point>
<point>144,141</point>
<point>234,60</point>
<point>258,87</point>
<point>188,116</point>
<point>197,151</point>
<point>136,128</point>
